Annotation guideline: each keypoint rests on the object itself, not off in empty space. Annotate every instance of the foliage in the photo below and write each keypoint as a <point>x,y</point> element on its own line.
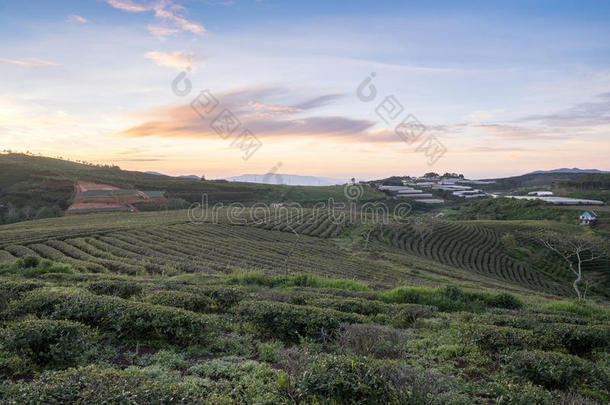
<point>556,370</point>
<point>118,288</point>
<point>124,318</point>
<point>451,298</point>
<point>180,299</point>
<point>299,280</point>
<point>48,343</point>
<point>289,322</point>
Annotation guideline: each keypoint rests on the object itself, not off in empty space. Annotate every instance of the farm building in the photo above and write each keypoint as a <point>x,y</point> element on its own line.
<point>588,218</point>
<point>541,193</point>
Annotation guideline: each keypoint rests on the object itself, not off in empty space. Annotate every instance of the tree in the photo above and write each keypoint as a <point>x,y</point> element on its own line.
<point>575,250</point>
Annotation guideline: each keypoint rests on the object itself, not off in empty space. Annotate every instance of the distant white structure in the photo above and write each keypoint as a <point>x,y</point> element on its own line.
<point>558,200</point>
<point>588,218</point>
<point>541,193</point>
<point>431,201</point>
<point>276,205</point>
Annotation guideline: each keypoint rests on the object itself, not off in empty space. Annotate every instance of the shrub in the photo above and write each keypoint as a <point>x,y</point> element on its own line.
<point>287,322</point>
<point>48,343</point>
<point>556,370</point>
<point>353,379</point>
<point>346,379</point>
<point>353,305</point>
<point>124,318</point>
<point>96,385</point>
<point>497,339</point>
<point>505,300</point>
<point>32,266</point>
<point>223,297</point>
<point>372,340</point>
<point>28,261</point>
<point>118,288</point>
<point>180,299</point>
<point>407,314</point>
<point>579,340</point>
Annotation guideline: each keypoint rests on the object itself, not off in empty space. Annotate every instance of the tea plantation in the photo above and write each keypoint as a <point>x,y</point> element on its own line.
<point>157,308</point>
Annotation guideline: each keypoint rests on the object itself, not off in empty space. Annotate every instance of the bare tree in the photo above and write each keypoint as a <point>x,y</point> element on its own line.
<point>575,250</point>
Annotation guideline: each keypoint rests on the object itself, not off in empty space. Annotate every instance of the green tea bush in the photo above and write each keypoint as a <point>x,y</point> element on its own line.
<point>32,266</point>
<point>245,381</point>
<point>48,343</point>
<point>362,380</point>
<point>98,385</point>
<point>124,318</point>
<point>287,322</point>
<point>450,298</point>
<point>556,370</point>
<point>354,305</point>
<point>117,288</point>
<point>347,379</point>
<point>579,340</point>
<point>497,339</point>
<point>180,299</point>
<point>406,315</point>
<point>223,297</point>
<point>372,340</point>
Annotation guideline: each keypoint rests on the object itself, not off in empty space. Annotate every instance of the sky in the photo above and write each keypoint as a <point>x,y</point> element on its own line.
<point>342,89</point>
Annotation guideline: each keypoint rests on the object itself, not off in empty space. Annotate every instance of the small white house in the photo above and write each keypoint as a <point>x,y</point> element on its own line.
<point>541,193</point>
<point>588,218</point>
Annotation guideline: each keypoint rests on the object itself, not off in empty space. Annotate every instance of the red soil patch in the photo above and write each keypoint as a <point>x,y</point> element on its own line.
<point>101,202</point>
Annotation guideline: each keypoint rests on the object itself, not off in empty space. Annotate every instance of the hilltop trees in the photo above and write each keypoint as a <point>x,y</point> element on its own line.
<point>575,250</point>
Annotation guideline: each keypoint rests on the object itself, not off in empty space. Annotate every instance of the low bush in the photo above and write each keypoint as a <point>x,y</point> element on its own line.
<point>288,322</point>
<point>98,385</point>
<point>556,370</point>
<point>579,340</point>
<point>48,343</point>
<point>353,305</point>
<point>372,340</point>
<point>32,266</point>
<point>496,339</point>
<point>125,318</point>
<point>180,299</point>
<point>117,288</point>
<point>451,298</point>
<point>354,379</point>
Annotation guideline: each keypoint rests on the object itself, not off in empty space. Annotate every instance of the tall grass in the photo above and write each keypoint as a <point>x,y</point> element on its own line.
<point>585,309</point>
<point>298,280</point>
<point>451,298</point>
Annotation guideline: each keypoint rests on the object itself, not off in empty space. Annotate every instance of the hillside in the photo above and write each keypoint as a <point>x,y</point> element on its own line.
<point>121,308</point>
<point>34,186</point>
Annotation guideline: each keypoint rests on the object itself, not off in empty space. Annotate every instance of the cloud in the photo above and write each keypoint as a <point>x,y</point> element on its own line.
<point>170,16</point>
<point>263,118</point>
<point>581,115</point>
<point>179,60</point>
<point>74,18</point>
<point>28,62</point>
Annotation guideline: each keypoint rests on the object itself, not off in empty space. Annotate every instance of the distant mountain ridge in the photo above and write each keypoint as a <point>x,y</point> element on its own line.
<point>573,170</point>
<point>287,179</point>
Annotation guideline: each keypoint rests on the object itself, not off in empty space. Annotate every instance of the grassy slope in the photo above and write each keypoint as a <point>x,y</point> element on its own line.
<point>40,181</point>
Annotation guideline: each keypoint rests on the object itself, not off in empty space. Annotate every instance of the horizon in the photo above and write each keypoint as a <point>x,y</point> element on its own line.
<point>503,90</point>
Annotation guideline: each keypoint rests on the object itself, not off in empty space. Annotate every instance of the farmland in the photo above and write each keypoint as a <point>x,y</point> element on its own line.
<point>242,303</point>
<point>292,309</point>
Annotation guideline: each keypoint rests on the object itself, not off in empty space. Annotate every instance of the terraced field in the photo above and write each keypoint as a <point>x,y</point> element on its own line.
<point>171,245</point>
<point>468,246</point>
